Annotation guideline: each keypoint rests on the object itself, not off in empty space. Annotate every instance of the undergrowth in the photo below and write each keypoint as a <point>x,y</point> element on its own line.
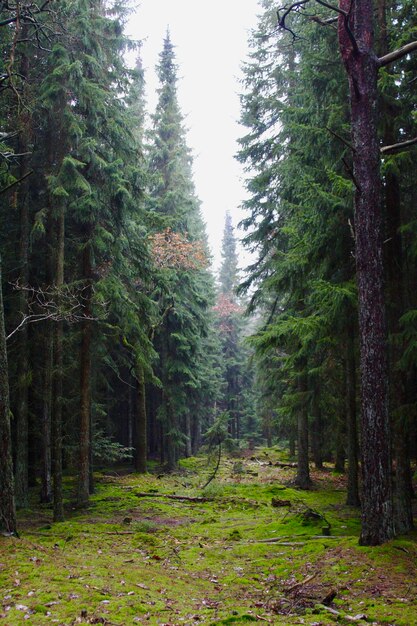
<point>248,548</point>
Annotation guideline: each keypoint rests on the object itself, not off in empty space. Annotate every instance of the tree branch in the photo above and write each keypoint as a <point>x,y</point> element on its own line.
<point>15,182</point>
<point>391,57</point>
<point>347,143</point>
<point>396,147</point>
<point>332,7</point>
<point>287,10</point>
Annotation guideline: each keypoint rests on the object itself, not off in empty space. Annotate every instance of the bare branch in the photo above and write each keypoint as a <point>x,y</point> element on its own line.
<point>397,147</point>
<point>287,10</point>
<point>295,6</point>
<point>391,57</point>
<point>63,304</point>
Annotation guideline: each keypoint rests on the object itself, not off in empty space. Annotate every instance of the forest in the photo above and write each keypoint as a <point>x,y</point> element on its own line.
<point>130,373</point>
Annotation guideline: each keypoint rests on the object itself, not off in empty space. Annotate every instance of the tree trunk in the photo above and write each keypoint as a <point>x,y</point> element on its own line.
<point>356,47</point>
<point>46,421</point>
<point>141,423</point>
<point>85,384</point>
<point>171,454</point>
<point>302,479</point>
<point>340,452</point>
<point>57,378</point>
<point>403,514</point>
<point>7,503</point>
<point>130,417</point>
<point>196,436</point>
<point>291,443</point>
<point>317,432</point>
<point>188,435</point>
<point>21,411</point>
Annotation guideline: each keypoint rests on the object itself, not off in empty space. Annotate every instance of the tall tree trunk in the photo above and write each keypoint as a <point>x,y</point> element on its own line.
<point>302,479</point>
<point>130,417</point>
<point>46,467</point>
<point>46,419</point>
<point>196,436</point>
<point>340,452</point>
<point>21,411</point>
<point>171,454</point>
<point>317,432</point>
<point>352,497</point>
<point>141,422</point>
<point>291,443</point>
<point>85,384</point>
<point>7,503</point>
<point>356,40</point>
<point>57,378</point>
<point>403,514</point>
<point>188,434</point>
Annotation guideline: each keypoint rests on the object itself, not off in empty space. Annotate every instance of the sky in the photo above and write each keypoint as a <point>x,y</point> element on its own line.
<point>210,39</point>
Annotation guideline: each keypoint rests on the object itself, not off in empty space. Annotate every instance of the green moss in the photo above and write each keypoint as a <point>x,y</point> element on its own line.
<point>217,562</point>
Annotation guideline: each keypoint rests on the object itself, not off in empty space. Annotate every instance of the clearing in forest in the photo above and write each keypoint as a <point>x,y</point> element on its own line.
<point>249,548</point>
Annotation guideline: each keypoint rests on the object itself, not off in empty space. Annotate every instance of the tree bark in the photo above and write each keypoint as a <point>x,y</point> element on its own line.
<point>21,411</point>
<point>302,478</point>
<point>356,40</point>
<point>188,435</point>
<point>83,495</point>
<point>57,376</point>
<point>340,452</point>
<point>7,502</point>
<point>403,513</point>
<point>141,423</point>
<point>317,432</point>
<point>46,417</point>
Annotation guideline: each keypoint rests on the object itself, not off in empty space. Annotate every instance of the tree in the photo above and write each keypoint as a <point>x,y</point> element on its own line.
<point>357,50</point>
<point>299,203</point>
<point>7,504</point>
<point>183,292</point>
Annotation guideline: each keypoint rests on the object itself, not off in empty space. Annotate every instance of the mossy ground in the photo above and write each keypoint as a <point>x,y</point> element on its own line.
<point>232,559</point>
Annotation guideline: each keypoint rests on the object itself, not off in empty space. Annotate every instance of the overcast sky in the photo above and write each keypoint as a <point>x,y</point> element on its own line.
<point>210,38</point>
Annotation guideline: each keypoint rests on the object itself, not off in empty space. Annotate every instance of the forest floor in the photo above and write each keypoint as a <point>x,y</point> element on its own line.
<point>248,548</point>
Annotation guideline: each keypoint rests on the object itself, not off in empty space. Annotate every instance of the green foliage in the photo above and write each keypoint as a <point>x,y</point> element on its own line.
<point>299,210</point>
<point>105,450</point>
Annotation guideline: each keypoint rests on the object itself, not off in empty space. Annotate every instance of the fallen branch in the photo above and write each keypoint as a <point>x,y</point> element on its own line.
<point>342,616</point>
<point>281,543</point>
<point>145,494</point>
<point>301,582</point>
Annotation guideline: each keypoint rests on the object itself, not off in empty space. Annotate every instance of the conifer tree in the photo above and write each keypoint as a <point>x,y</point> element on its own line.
<point>184,293</point>
<point>7,503</point>
<point>229,313</point>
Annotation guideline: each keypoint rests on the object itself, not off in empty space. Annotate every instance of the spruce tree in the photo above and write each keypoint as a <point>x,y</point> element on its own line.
<point>229,314</point>
<point>183,293</point>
